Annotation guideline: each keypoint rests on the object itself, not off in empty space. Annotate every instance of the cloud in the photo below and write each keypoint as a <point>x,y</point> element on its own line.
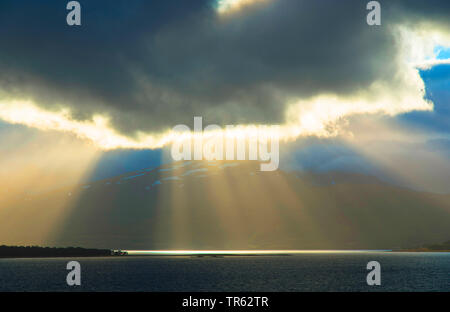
<point>429,64</point>
<point>132,71</point>
<point>232,6</point>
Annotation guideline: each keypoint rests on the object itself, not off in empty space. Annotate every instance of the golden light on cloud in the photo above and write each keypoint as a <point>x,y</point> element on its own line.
<point>318,116</point>
<point>97,130</point>
<point>230,6</point>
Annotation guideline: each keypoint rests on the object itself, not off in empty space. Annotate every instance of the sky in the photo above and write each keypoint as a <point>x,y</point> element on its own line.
<point>92,101</point>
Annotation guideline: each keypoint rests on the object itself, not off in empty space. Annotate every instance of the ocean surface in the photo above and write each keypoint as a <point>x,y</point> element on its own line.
<point>311,271</point>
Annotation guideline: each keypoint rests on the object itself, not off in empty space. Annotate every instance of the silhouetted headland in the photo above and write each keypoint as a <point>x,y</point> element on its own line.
<point>37,252</point>
<point>444,247</point>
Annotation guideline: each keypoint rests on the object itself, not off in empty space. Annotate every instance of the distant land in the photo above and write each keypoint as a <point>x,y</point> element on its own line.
<point>54,252</point>
<point>37,252</point>
<point>444,247</point>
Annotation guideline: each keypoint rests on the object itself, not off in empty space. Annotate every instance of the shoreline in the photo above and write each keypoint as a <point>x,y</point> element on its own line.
<point>219,255</point>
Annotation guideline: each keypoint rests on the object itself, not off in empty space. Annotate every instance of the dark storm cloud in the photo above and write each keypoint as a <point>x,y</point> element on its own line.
<point>416,11</point>
<point>153,64</point>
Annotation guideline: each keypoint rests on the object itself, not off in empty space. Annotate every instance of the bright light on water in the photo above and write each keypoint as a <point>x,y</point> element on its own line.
<point>234,252</point>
